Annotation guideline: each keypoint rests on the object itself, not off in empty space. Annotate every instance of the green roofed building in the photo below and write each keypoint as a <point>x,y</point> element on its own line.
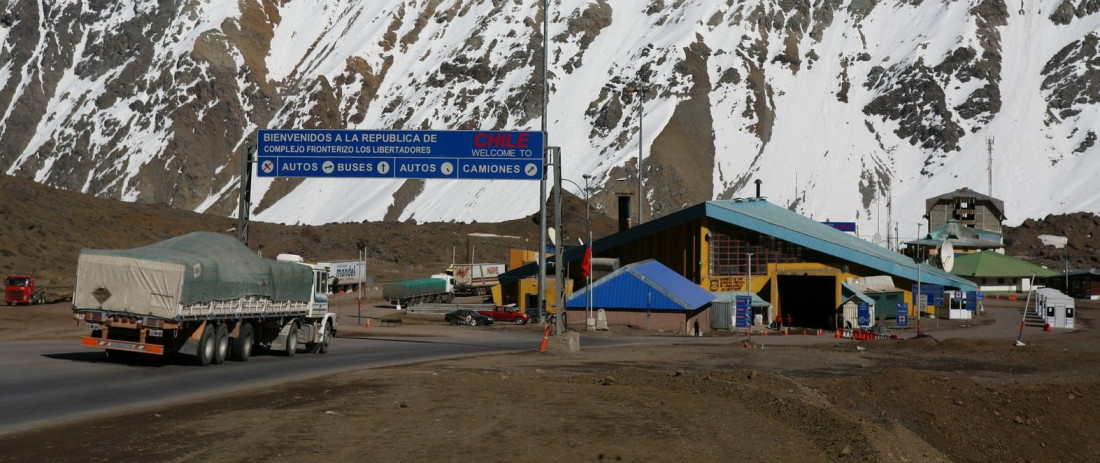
<point>996,272</point>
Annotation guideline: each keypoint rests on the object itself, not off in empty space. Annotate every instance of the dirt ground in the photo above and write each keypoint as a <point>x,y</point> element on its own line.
<point>926,398</point>
<point>943,396</point>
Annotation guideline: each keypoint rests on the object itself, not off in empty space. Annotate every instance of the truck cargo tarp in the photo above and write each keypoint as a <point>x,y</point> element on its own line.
<point>197,267</point>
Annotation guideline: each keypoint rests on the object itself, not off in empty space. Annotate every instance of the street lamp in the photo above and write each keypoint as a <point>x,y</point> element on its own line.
<point>589,322</point>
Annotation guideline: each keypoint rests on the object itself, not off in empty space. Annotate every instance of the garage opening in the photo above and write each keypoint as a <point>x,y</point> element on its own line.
<point>810,300</point>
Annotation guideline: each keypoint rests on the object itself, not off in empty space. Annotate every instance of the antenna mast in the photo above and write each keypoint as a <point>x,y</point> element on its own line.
<point>890,220</point>
<point>989,149</point>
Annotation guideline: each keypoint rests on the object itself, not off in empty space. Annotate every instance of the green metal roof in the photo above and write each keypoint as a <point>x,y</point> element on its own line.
<point>995,264</point>
<point>960,236</point>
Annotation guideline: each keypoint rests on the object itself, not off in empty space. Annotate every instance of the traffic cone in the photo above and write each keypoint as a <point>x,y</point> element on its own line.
<point>786,331</point>
<point>545,339</point>
<point>803,331</point>
<point>765,332</point>
<point>1046,327</point>
<point>368,324</point>
<point>838,334</point>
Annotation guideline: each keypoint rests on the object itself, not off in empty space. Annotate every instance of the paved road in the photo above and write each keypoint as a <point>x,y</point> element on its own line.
<point>48,381</point>
<point>45,381</point>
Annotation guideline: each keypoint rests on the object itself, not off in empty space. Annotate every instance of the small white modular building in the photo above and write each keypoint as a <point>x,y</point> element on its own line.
<point>1055,307</point>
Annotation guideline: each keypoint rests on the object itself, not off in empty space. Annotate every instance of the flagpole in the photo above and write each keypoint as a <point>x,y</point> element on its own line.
<point>589,323</point>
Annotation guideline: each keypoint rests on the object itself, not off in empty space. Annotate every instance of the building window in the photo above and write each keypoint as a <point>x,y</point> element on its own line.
<point>730,246</point>
<point>1000,281</point>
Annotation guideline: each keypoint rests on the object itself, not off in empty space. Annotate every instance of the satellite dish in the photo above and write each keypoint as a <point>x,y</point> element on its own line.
<point>947,256</point>
<point>552,235</point>
<point>877,238</point>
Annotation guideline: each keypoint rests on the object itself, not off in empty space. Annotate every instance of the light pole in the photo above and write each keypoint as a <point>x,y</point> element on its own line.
<point>920,247</point>
<point>750,314</point>
<point>361,246</point>
<point>589,322</point>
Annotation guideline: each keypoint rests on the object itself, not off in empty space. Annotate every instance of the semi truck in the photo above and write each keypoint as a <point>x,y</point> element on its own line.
<point>19,289</point>
<point>346,275</point>
<point>475,279</point>
<point>202,295</point>
<point>411,292</point>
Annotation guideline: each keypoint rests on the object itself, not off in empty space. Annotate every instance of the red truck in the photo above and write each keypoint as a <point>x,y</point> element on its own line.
<point>506,314</point>
<point>19,289</point>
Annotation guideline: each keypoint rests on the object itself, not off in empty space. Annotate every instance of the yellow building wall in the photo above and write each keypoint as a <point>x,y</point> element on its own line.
<point>518,257</point>
<point>530,286</point>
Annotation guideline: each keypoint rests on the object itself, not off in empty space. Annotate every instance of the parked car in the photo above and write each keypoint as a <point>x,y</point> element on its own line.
<point>467,317</point>
<point>506,314</point>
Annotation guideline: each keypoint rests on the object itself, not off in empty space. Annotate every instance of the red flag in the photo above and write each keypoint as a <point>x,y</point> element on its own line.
<point>586,264</point>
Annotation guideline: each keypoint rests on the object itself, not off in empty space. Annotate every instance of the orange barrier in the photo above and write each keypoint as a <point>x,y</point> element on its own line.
<point>545,339</point>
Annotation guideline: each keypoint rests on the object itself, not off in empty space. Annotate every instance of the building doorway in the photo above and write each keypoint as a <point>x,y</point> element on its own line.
<point>810,300</point>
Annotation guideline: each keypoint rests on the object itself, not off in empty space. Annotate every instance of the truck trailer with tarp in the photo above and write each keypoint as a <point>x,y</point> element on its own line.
<point>203,295</point>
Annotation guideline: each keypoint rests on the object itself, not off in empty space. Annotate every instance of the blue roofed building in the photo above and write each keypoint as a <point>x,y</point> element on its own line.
<point>645,295</point>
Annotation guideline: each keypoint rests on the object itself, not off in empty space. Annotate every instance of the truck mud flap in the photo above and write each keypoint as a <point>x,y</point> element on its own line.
<point>122,345</point>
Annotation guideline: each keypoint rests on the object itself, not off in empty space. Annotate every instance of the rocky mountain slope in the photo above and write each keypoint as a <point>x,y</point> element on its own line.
<point>846,109</point>
<point>44,229</point>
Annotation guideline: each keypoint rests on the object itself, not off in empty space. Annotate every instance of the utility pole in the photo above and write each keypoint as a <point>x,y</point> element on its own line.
<point>541,254</point>
<point>559,247</point>
<point>245,190</point>
<point>641,116</point>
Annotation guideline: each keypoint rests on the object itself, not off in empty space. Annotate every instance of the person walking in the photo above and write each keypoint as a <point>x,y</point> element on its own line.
<point>778,322</point>
<point>789,321</point>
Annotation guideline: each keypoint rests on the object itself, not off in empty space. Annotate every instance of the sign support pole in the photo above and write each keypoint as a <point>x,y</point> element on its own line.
<point>542,181</point>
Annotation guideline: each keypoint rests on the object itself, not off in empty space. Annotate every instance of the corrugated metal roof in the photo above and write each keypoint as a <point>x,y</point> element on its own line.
<point>643,285</point>
<point>994,264</point>
<point>874,284</point>
<point>763,217</point>
<point>850,292</point>
<point>769,219</point>
<point>960,236</point>
<point>731,296</point>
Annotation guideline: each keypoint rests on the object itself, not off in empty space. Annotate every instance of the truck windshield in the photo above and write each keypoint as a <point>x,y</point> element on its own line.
<point>17,281</point>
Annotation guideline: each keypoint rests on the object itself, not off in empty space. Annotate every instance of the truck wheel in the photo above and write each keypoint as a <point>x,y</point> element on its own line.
<point>325,342</point>
<point>206,347</point>
<point>322,346</point>
<point>221,344</point>
<point>292,341</point>
<point>240,347</point>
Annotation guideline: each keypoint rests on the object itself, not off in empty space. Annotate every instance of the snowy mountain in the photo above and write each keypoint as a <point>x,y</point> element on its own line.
<point>846,110</point>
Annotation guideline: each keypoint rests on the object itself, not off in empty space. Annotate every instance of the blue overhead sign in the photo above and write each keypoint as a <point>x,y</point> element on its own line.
<point>490,155</point>
<point>842,226</point>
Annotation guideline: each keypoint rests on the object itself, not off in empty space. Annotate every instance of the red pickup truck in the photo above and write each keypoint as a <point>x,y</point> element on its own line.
<point>506,314</point>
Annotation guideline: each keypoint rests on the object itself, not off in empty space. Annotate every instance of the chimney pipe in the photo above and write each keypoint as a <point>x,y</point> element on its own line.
<point>624,212</point>
<point>758,182</point>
